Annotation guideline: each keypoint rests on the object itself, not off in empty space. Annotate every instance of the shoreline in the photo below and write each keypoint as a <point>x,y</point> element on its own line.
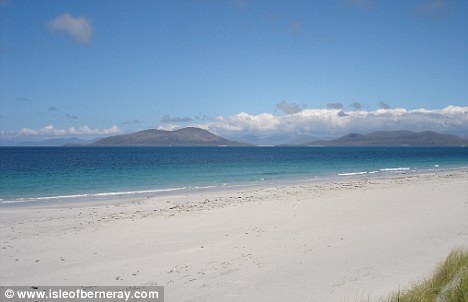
<point>345,240</point>
<point>113,197</point>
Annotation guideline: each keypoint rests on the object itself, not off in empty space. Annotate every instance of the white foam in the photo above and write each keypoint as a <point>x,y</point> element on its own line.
<point>107,194</point>
<point>13,201</point>
<point>352,173</point>
<point>395,169</point>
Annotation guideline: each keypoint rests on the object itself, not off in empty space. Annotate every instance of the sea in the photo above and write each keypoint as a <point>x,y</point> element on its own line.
<point>41,174</point>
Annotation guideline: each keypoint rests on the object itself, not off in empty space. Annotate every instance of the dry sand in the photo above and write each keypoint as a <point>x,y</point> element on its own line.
<point>343,240</point>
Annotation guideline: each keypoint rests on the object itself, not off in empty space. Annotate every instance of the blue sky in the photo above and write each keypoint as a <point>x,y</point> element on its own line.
<point>90,68</point>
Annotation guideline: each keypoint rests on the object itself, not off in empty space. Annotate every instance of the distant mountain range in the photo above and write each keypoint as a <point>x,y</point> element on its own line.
<point>275,140</point>
<point>189,136</point>
<point>56,142</point>
<point>394,138</point>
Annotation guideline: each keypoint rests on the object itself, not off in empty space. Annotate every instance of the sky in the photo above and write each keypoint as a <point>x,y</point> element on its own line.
<point>235,67</point>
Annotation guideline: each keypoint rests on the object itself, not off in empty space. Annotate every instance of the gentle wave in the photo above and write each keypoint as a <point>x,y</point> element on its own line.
<point>376,171</point>
<point>352,173</point>
<point>114,194</point>
<point>107,194</point>
<point>94,170</point>
<point>395,169</point>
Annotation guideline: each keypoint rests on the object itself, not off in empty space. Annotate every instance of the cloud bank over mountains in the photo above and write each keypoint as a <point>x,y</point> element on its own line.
<point>295,121</point>
<point>334,121</point>
<point>51,131</point>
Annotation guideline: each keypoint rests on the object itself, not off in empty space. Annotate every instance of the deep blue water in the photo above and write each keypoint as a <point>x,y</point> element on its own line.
<point>36,172</point>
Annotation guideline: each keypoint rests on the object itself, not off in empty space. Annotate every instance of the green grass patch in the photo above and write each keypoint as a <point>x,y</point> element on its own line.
<point>448,283</point>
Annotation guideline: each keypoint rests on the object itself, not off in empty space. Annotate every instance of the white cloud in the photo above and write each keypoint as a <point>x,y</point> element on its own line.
<point>171,127</point>
<point>25,132</point>
<point>327,122</point>
<point>50,130</point>
<point>79,29</point>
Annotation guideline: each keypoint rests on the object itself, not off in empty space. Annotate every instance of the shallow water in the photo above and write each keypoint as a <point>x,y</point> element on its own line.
<point>48,173</point>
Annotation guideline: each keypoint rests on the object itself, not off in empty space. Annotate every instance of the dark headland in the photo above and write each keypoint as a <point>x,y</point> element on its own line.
<point>394,138</point>
<point>189,136</point>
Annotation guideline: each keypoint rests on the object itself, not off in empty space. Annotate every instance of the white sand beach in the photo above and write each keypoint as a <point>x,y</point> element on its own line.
<point>345,240</point>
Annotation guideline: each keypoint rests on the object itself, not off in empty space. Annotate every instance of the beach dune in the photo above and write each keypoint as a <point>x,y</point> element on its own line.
<point>344,240</point>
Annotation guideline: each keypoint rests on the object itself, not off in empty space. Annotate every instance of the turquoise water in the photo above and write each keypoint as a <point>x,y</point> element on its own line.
<point>41,173</point>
